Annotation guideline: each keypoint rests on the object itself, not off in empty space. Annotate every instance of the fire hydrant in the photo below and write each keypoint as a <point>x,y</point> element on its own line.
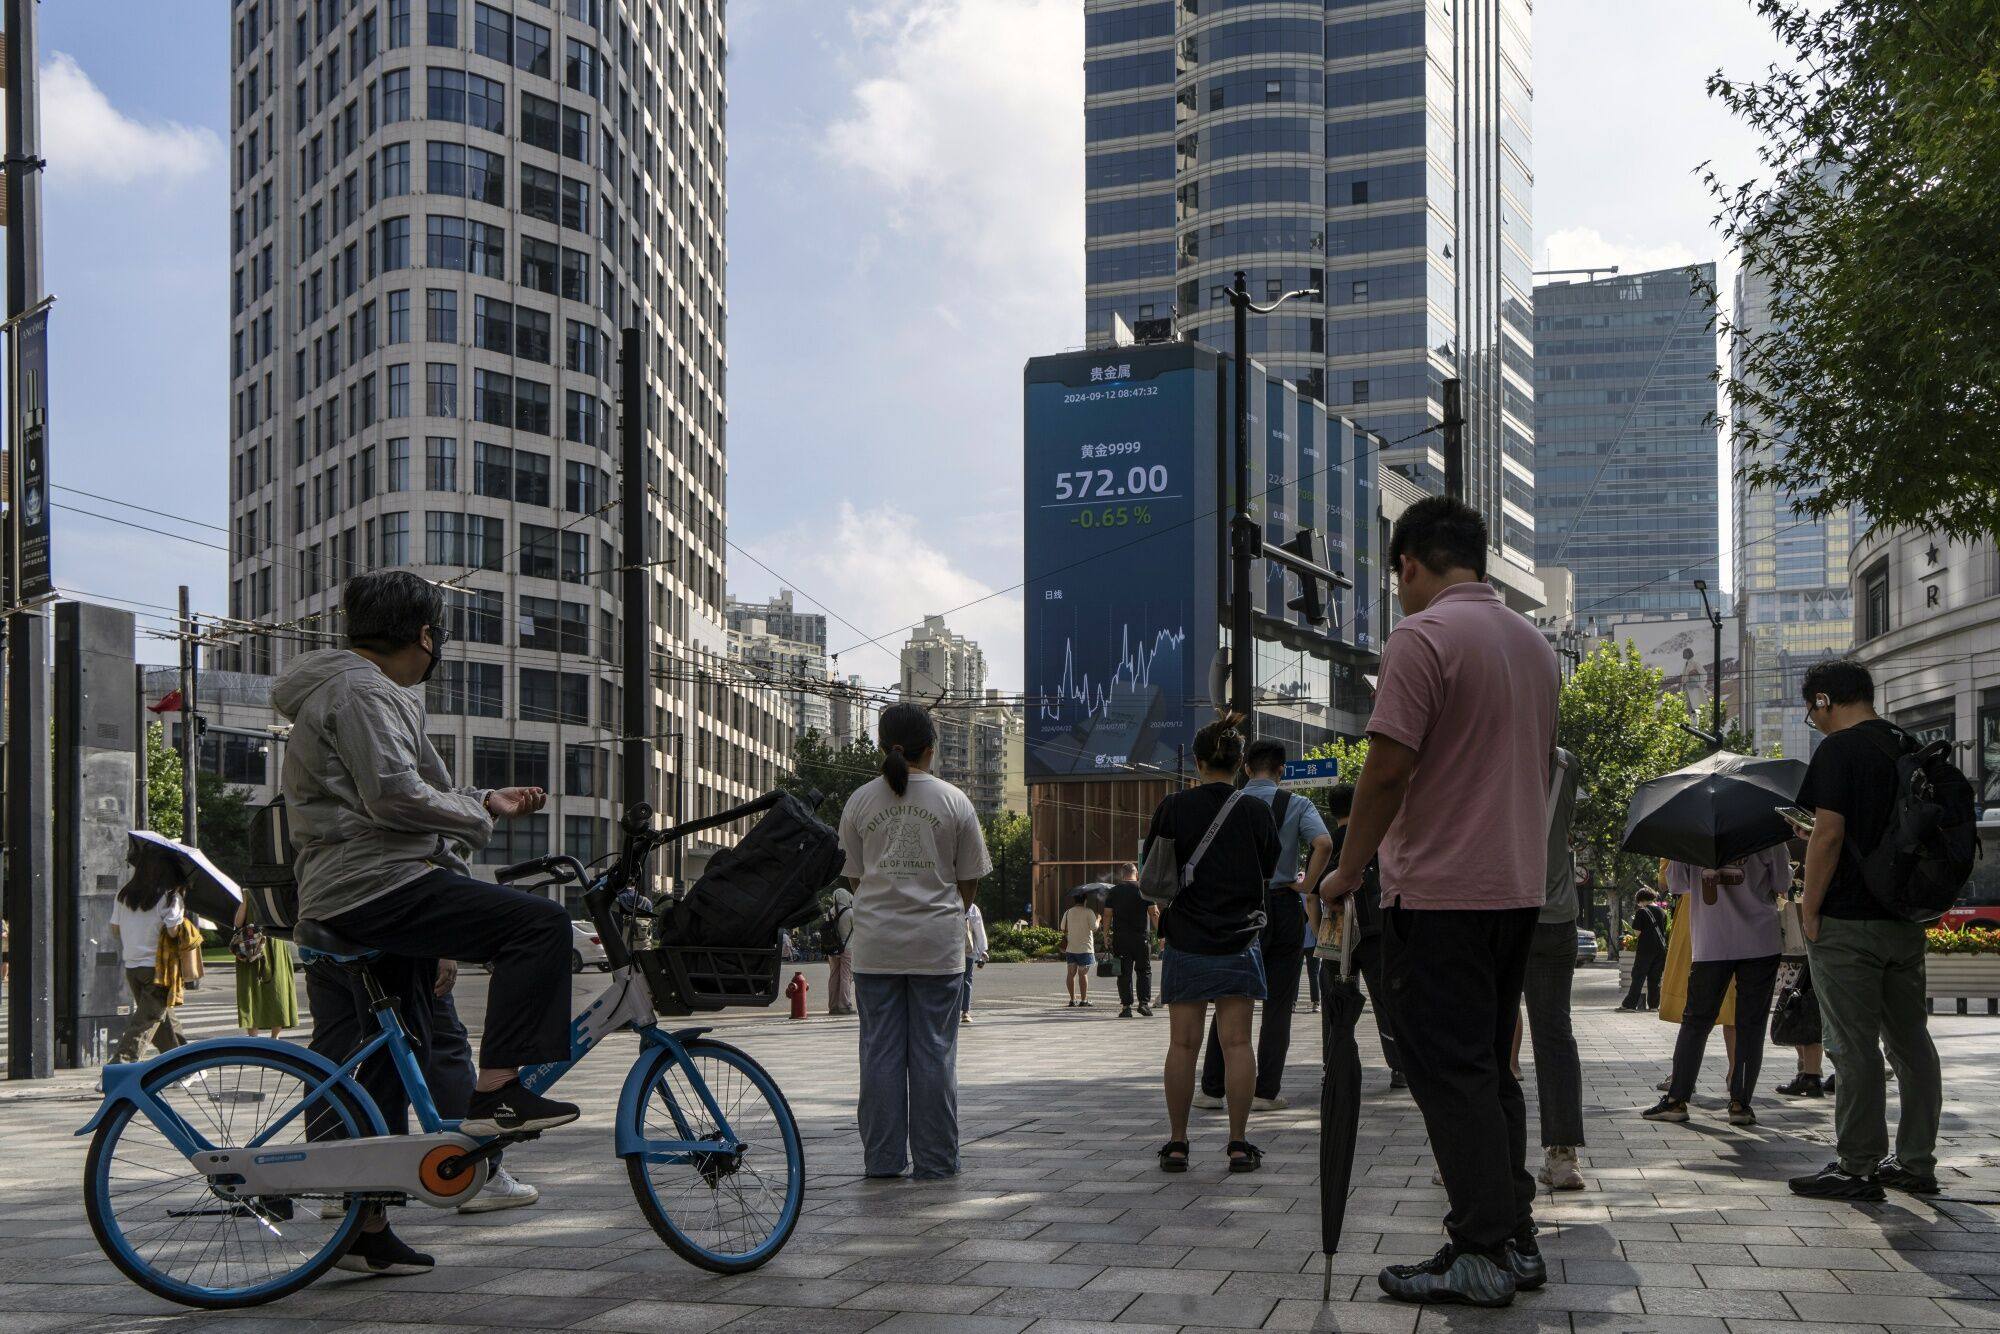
<point>797,991</point>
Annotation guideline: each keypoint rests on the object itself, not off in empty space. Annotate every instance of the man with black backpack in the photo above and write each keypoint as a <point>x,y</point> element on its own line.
<point>1866,945</point>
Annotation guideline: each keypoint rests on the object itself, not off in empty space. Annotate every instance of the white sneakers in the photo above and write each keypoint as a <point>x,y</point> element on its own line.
<point>1208,1100</point>
<point>1559,1170</point>
<point>502,1192</point>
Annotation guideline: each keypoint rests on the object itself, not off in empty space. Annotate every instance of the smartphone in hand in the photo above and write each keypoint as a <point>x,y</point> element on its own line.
<point>1797,818</point>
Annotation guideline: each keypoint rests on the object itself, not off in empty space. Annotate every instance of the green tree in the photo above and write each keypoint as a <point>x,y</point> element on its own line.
<point>1005,893</point>
<point>832,771</point>
<point>222,812</point>
<point>1874,222</point>
<point>1351,754</point>
<point>163,783</point>
<point>1616,717</point>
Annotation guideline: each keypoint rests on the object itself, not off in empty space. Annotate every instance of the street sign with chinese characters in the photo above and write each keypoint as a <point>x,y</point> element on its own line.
<point>1311,773</point>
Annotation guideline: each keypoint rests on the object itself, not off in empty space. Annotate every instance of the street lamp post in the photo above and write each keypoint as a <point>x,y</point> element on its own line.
<point>1245,541</point>
<point>1715,669</point>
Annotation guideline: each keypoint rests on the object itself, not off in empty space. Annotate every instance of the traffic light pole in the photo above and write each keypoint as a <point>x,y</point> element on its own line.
<point>190,741</point>
<point>29,907</point>
<point>1243,535</point>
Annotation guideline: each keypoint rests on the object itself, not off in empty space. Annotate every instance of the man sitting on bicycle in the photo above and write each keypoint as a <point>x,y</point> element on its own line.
<point>381,836</point>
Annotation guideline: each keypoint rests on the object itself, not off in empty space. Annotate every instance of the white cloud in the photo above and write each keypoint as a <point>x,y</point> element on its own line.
<point>967,122</point>
<point>88,140</point>
<point>874,571</point>
<point>1586,247</point>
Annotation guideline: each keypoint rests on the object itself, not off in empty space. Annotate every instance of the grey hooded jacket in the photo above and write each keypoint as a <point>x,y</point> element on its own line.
<point>371,804</point>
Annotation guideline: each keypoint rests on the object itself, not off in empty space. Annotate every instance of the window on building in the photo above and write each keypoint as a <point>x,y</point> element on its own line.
<point>399,391</point>
<point>399,465</point>
<point>531,477</point>
<point>441,466</point>
<point>395,540</point>
<point>531,334</point>
<point>539,190</point>
<point>492,397</point>
<point>395,170</point>
<point>1359,292</point>
<point>474,615</point>
<point>493,33</point>
<point>441,27</point>
<point>539,263</point>
<point>537,556</point>
<point>586,771</point>
<point>1875,601</point>
<point>1361,391</point>
<point>441,316</point>
<point>492,324</point>
<point>1358,193</point>
<point>493,471</point>
<point>548,696</point>
<point>395,252</point>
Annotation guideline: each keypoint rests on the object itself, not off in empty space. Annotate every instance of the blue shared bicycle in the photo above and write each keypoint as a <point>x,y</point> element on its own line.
<point>233,1172</point>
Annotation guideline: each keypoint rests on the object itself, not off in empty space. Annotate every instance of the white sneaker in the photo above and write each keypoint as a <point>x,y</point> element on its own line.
<point>1559,1170</point>
<point>1277,1104</point>
<point>502,1192</point>
<point>1208,1100</point>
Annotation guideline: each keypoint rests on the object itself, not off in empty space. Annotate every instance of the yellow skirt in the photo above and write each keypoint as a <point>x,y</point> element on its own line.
<point>1680,958</point>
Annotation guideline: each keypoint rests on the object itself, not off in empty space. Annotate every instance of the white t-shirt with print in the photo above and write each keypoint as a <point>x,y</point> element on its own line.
<point>909,853</point>
<point>139,932</point>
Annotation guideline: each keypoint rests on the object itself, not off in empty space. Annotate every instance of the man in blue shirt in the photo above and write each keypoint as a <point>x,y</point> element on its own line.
<point>1300,829</point>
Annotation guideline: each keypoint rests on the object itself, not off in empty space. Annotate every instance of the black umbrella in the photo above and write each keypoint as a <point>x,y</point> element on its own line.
<point>1714,811</point>
<point>209,891</point>
<point>1093,893</point>
<point>1340,1085</point>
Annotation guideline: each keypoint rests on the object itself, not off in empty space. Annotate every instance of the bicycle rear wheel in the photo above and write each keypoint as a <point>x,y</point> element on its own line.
<point>164,1226</point>
<point>725,1212</point>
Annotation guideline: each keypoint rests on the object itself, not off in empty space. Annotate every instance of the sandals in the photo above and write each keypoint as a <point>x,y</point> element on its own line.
<point>1174,1156</point>
<point>1252,1159</point>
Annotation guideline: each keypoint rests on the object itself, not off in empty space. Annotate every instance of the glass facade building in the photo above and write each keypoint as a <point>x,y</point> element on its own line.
<point>442,214</point>
<point>1625,443</point>
<point>1793,596</point>
<point>1377,152</point>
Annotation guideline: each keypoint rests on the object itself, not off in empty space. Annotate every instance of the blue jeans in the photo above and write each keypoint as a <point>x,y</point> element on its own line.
<point>909,1072</point>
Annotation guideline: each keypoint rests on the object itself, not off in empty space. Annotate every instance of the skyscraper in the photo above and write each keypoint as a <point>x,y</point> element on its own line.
<point>1382,159</point>
<point>442,214</point>
<point>946,672</point>
<point>1793,597</point>
<point>787,647</point>
<point>1625,446</point>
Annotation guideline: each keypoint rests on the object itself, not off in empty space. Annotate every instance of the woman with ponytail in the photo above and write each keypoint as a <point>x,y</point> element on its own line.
<point>915,854</point>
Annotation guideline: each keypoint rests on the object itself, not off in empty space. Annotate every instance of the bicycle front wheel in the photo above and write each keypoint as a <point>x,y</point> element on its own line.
<point>726,1211</point>
<point>168,1229</point>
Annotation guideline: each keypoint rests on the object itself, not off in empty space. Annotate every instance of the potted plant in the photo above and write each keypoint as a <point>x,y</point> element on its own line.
<point>1962,965</point>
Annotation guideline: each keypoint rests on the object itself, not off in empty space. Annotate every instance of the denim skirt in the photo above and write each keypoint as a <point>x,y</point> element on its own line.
<point>1206,977</point>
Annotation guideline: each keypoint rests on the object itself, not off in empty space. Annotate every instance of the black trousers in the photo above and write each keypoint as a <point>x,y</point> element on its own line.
<point>1368,962</point>
<point>524,938</point>
<point>1649,964</point>
<point>1274,1028</point>
<point>1135,973</point>
<point>342,1023</point>
<point>1708,982</point>
<point>339,1003</point>
<point>1558,1069</point>
<point>1455,979</point>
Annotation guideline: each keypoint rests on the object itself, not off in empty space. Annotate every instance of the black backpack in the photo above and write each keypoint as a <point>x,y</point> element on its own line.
<point>770,880</point>
<point>270,885</point>
<point>1932,840</point>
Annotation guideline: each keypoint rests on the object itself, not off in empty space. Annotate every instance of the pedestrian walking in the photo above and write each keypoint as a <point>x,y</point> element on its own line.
<point>1649,953</point>
<point>146,920</point>
<point>1301,831</point>
<point>1867,962</point>
<point>1227,848</point>
<point>1551,974</point>
<point>915,855</point>
<point>1079,928</point>
<point>975,955</point>
<point>840,958</point>
<point>267,988</point>
<point>1733,938</point>
<point>1129,924</point>
<point>1454,794</point>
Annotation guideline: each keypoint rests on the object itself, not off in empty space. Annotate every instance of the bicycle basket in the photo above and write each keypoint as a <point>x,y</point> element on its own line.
<point>708,977</point>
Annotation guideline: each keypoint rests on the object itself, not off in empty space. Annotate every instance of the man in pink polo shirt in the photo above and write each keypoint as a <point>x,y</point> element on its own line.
<point>1454,795</point>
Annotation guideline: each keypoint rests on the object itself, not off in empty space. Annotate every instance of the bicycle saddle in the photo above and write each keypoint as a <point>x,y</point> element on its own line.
<point>318,938</point>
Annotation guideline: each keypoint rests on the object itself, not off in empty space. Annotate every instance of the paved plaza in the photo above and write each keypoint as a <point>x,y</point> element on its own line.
<point>1061,1223</point>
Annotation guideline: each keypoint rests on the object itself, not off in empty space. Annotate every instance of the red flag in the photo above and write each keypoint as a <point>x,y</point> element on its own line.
<point>170,704</point>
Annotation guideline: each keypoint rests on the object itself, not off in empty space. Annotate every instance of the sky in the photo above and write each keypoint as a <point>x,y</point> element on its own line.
<point>905,231</point>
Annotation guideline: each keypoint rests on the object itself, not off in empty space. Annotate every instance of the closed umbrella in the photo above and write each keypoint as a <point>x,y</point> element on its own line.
<point>210,893</point>
<point>1340,1084</point>
<point>1714,811</point>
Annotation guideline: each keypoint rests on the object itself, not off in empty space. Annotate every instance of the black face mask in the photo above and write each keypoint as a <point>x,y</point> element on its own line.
<point>438,637</point>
